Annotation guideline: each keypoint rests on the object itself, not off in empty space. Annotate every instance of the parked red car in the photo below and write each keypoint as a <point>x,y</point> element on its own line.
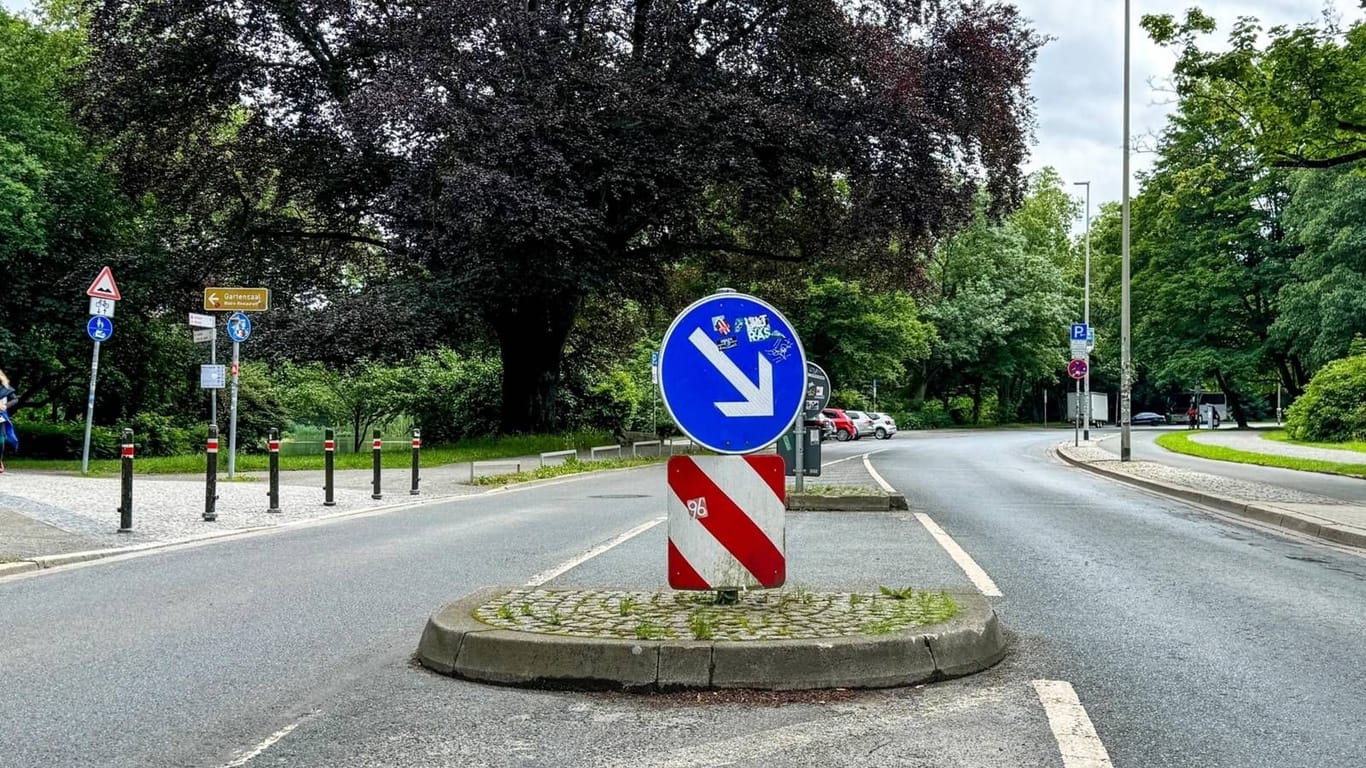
<point>844,426</point>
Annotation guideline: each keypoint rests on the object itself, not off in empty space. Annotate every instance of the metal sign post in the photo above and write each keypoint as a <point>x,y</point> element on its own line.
<point>239,330</point>
<point>103,292</point>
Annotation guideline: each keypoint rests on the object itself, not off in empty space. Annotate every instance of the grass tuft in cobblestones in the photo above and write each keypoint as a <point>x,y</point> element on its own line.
<point>759,614</point>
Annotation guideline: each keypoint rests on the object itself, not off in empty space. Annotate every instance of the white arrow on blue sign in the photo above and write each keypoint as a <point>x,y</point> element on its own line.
<point>1079,331</point>
<point>732,372</point>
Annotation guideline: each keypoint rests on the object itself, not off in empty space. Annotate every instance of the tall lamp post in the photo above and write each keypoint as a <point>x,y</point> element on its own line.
<point>1086,306</point>
<point>1124,363</point>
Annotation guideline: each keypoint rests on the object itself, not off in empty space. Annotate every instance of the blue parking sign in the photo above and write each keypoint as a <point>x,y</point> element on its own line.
<point>1078,331</point>
<point>732,373</point>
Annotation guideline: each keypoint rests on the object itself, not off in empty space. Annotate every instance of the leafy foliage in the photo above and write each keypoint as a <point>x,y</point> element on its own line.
<point>1295,99</point>
<point>1333,407</point>
<point>519,159</point>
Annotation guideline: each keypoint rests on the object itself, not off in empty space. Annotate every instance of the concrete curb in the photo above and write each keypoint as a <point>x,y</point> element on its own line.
<point>455,643</point>
<point>1267,514</point>
<point>806,502</point>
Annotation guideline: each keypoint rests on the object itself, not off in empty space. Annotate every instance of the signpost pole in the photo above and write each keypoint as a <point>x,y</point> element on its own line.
<point>1076,421</point>
<point>90,408</point>
<point>213,360</point>
<point>232,427</point>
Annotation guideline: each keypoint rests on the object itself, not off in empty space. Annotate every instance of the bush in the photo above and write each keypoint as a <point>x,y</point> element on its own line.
<point>156,435</point>
<point>450,396</point>
<point>64,440</point>
<point>930,415</point>
<point>1333,406</point>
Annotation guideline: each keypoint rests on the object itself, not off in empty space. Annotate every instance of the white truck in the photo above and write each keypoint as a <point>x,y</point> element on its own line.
<point>1100,408</point>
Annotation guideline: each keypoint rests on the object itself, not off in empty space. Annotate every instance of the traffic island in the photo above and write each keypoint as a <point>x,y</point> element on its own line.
<point>773,639</point>
<point>847,500</point>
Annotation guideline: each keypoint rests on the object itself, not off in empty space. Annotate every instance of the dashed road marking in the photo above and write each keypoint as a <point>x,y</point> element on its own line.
<point>979,577</point>
<point>545,576</point>
<point>267,744</point>
<point>1077,739</point>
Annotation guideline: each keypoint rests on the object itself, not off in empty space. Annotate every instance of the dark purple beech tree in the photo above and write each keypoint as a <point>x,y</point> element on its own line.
<point>516,158</point>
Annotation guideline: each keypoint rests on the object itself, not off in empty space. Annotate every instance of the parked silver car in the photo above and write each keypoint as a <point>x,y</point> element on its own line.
<point>884,426</point>
<point>863,422</point>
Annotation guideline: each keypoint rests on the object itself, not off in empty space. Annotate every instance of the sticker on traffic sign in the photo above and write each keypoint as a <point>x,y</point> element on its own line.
<point>99,328</point>
<point>1077,369</point>
<point>726,522</point>
<point>104,286</point>
<point>102,307</point>
<point>817,391</point>
<point>732,373</point>
<point>239,327</point>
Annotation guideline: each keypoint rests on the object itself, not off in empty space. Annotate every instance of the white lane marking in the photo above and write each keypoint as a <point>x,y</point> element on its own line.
<point>851,458</point>
<point>1077,739</point>
<point>267,744</point>
<point>545,576</point>
<point>979,577</point>
<point>868,465</point>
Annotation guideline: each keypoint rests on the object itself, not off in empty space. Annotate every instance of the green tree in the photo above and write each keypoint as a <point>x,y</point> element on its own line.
<point>1324,305</point>
<point>1294,96</point>
<point>522,159</point>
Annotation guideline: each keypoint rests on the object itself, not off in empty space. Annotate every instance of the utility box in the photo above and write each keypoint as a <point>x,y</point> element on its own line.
<point>1100,408</point>
<point>811,452</point>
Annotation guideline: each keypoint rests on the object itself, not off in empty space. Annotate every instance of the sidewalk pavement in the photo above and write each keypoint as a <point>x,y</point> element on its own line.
<point>1337,520</point>
<point>49,519</point>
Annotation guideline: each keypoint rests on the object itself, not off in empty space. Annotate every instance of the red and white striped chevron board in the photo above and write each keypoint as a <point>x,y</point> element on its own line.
<point>726,522</point>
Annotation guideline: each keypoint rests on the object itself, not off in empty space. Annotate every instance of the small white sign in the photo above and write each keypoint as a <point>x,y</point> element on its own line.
<point>201,321</point>
<point>102,307</point>
<point>212,377</point>
<point>202,335</point>
<point>1079,348</point>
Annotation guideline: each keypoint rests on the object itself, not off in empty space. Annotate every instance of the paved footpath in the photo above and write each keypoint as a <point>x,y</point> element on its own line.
<point>49,518</point>
<point>1333,518</point>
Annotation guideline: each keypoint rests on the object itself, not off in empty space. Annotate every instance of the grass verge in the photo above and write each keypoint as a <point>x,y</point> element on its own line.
<point>392,457</point>
<point>572,467</point>
<point>1181,442</point>
<point>838,490</point>
<point>1281,436</point>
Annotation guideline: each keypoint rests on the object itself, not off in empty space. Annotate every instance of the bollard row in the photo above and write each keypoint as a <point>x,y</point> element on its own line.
<point>126,453</point>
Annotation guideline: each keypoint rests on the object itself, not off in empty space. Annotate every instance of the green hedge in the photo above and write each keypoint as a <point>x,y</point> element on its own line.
<point>1333,406</point>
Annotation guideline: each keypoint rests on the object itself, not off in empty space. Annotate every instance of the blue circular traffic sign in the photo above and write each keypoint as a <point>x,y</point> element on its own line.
<point>239,327</point>
<point>99,328</point>
<point>732,373</point>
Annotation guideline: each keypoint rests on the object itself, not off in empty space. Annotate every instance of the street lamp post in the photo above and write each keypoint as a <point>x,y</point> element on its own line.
<point>1086,307</point>
<point>1124,362</point>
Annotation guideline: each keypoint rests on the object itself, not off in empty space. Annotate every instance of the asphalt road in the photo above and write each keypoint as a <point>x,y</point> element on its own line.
<point>1190,640</point>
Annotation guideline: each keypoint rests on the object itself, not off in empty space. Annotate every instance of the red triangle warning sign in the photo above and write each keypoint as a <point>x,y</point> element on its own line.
<point>104,286</point>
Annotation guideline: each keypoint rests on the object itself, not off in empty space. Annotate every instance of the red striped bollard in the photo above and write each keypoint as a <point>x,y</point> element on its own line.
<point>126,492</point>
<point>211,474</point>
<point>329,453</point>
<point>374,452</point>
<point>274,447</point>
<point>417,446</point>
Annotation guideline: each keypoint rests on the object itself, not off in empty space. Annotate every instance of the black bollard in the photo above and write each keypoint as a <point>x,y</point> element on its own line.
<point>126,493</point>
<point>417,446</point>
<point>274,447</point>
<point>374,451</point>
<point>211,474</point>
<point>329,452</point>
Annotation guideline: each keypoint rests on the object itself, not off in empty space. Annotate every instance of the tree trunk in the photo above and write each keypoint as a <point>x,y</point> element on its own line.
<point>1233,398</point>
<point>532,330</point>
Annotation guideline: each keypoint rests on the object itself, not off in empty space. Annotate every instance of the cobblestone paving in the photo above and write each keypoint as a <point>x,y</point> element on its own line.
<point>763,615</point>
<point>1214,484</point>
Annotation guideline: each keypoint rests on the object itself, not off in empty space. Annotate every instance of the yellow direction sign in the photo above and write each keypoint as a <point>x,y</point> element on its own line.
<point>236,299</point>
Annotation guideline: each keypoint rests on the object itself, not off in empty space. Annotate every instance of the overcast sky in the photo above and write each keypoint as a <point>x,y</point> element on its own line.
<point>1078,79</point>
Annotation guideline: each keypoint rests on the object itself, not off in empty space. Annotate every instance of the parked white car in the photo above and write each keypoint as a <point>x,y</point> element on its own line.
<point>884,426</point>
<point>863,422</point>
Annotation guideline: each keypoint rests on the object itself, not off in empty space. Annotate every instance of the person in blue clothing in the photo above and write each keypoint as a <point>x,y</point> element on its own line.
<point>8,437</point>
